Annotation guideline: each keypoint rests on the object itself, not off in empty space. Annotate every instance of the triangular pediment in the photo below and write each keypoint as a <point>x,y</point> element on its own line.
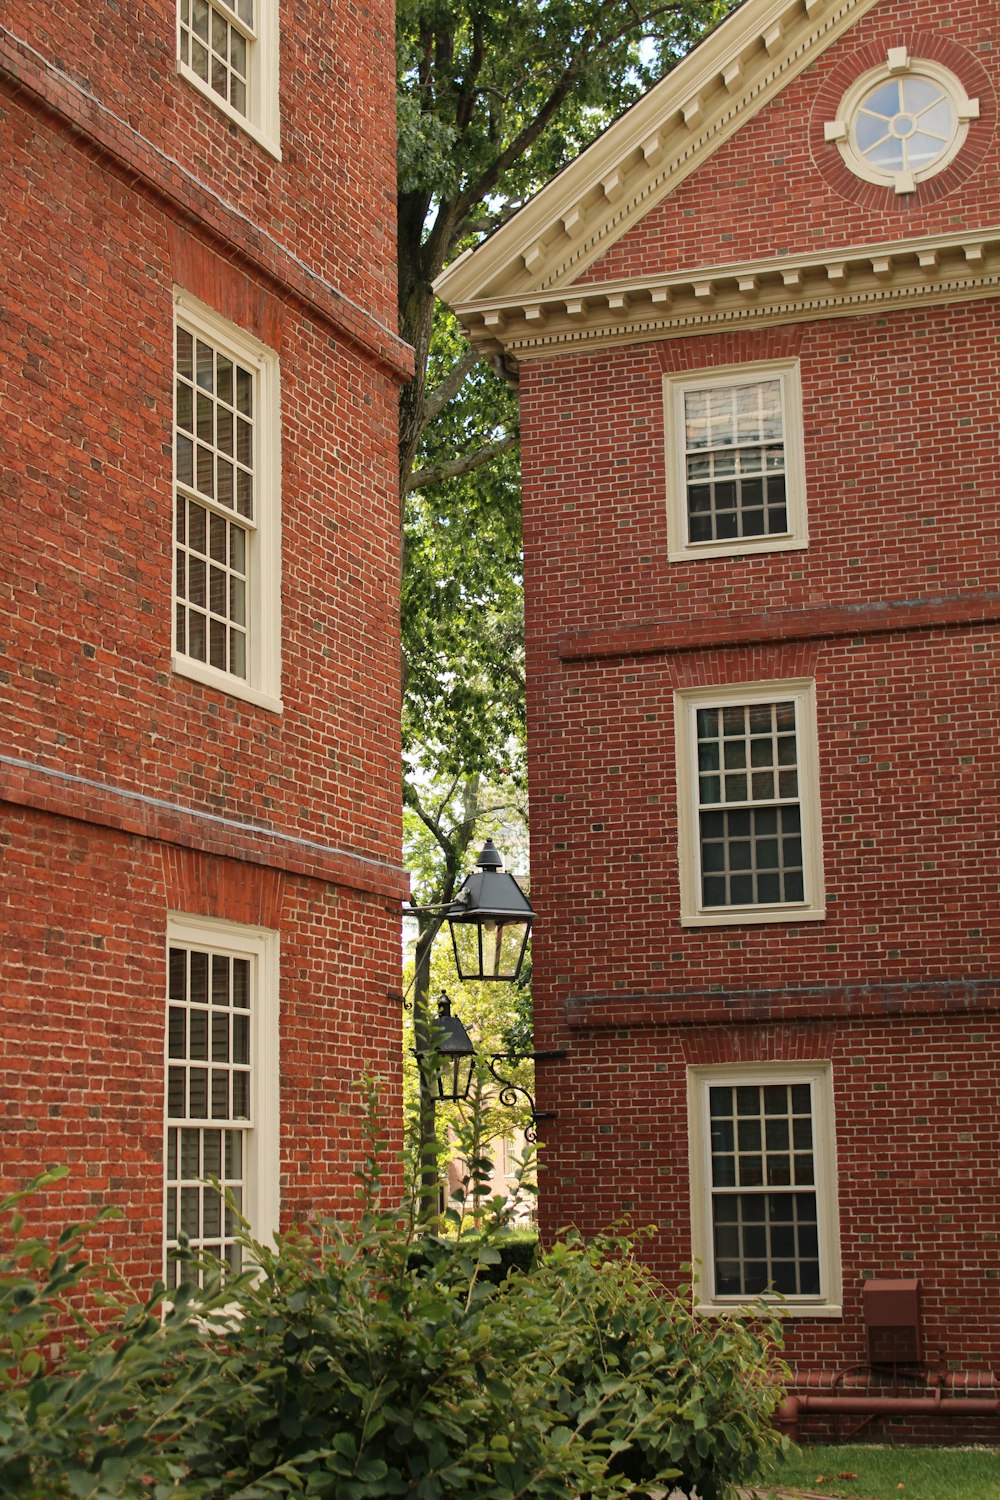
<point>733,74</point>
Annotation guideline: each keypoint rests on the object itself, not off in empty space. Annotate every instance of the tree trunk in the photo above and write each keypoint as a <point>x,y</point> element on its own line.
<point>424,1024</point>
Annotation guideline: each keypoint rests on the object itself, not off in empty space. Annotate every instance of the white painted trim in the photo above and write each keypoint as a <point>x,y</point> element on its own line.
<point>843,130</point>
<point>262,685</point>
<point>724,82</point>
<point>931,271</point>
<point>820,1077</point>
<point>263,118</point>
<point>786,372</point>
<point>261,945</point>
<point>686,702</point>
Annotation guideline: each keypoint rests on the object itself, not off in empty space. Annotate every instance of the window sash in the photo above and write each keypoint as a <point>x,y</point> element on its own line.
<point>216,425</point>
<point>763,1189</point>
<point>211,1003</point>
<point>749,846</point>
<point>749,831</point>
<point>226,585</point>
<point>767,1225</point>
<point>734,461</point>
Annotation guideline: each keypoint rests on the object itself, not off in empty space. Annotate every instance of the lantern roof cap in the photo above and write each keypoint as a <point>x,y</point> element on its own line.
<point>491,893</point>
<point>454,1040</point>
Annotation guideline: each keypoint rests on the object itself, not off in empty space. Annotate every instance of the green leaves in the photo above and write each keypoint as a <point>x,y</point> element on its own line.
<point>361,1364</point>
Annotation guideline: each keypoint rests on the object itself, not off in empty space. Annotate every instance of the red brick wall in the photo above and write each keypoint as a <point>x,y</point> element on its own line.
<point>893,610</point>
<point>89,501</point>
<point>777,186</point>
<point>916,1126</point>
<point>332,194</point>
<point>126,790</point>
<point>81,1066</point>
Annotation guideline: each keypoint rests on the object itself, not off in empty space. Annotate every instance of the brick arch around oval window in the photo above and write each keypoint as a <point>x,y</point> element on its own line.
<point>927,46</point>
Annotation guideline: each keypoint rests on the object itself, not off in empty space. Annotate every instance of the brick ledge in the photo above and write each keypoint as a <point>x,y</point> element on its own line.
<point>640,1012</point>
<point>822,622</point>
<point>150,170</point>
<point>63,794</point>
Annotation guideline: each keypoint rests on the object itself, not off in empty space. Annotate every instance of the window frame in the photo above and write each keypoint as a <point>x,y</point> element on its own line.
<point>262,1156</point>
<point>687,701</point>
<point>819,1075</point>
<point>263,118</point>
<point>898,64</point>
<point>675,387</point>
<point>262,684</point>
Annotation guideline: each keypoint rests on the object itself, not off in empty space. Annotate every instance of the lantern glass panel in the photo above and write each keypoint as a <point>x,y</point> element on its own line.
<point>468,957</point>
<point>489,949</point>
<point>512,937</point>
<point>454,1077</point>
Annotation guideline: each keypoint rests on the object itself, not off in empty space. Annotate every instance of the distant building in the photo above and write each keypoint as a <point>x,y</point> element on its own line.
<point>199,760</point>
<point>756,326</point>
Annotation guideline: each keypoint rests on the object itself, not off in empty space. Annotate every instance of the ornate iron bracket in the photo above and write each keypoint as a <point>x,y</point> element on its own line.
<point>510,1091</point>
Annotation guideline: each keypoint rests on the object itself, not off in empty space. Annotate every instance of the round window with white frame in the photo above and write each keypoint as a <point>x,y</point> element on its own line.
<point>902,122</point>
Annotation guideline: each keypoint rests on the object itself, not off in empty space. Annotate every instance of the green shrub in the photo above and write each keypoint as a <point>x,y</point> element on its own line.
<point>89,1409</point>
<point>356,1369</point>
<point>517,1250</point>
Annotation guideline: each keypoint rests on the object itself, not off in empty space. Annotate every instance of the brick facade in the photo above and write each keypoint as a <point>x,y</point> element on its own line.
<point>128,790</point>
<point>891,611</point>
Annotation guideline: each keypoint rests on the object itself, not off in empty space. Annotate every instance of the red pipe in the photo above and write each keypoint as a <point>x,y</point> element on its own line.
<point>934,1404</point>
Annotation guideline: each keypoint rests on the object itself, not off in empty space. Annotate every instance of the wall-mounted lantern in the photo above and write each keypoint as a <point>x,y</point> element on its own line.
<point>448,1069</point>
<point>490,920</point>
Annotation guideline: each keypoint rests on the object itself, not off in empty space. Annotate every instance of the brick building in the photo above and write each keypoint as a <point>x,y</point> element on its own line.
<point>199,785</point>
<point>756,330</point>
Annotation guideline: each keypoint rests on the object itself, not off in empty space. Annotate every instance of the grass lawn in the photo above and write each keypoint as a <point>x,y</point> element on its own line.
<point>892,1473</point>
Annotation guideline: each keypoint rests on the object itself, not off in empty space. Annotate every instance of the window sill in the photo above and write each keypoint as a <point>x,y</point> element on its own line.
<point>742,916</point>
<point>739,547</point>
<point>234,687</point>
<point>785,1309</point>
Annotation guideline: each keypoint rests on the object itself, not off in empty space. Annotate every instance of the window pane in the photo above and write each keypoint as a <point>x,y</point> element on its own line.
<point>884,100</point>
<point>199,1018</point>
<point>220,1039</point>
<point>216,398</point>
<point>198,1043</point>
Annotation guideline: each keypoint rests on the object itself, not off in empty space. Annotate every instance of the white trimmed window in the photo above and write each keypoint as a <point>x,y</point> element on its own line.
<point>735,465</point>
<point>229,50</point>
<point>902,122</point>
<point>221,1086</point>
<point>749,836</point>
<point>227,525</point>
<point>764,1218</point>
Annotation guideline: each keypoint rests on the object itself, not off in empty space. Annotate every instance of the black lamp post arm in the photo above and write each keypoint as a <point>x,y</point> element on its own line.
<point>457,903</point>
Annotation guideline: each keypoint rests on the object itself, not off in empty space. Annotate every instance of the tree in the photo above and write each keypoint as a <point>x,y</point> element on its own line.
<point>494,97</point>
<point>463,708</point>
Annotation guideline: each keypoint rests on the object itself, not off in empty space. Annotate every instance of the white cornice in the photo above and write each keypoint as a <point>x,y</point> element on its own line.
<point>840,283</point>
<point>666,136</point>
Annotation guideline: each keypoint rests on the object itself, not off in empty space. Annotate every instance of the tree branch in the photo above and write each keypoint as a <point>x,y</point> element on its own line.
<point>442,393</point>
<point>453,468</point>
<point>590,48</point>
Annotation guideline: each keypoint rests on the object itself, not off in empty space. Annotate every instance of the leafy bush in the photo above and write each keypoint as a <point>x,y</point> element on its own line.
<point>355,1370</point>
<point>91,1409</point>
<point>517,1250</point>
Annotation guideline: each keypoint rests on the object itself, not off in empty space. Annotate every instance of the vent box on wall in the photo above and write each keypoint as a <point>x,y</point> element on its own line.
<point>893,1323</point>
